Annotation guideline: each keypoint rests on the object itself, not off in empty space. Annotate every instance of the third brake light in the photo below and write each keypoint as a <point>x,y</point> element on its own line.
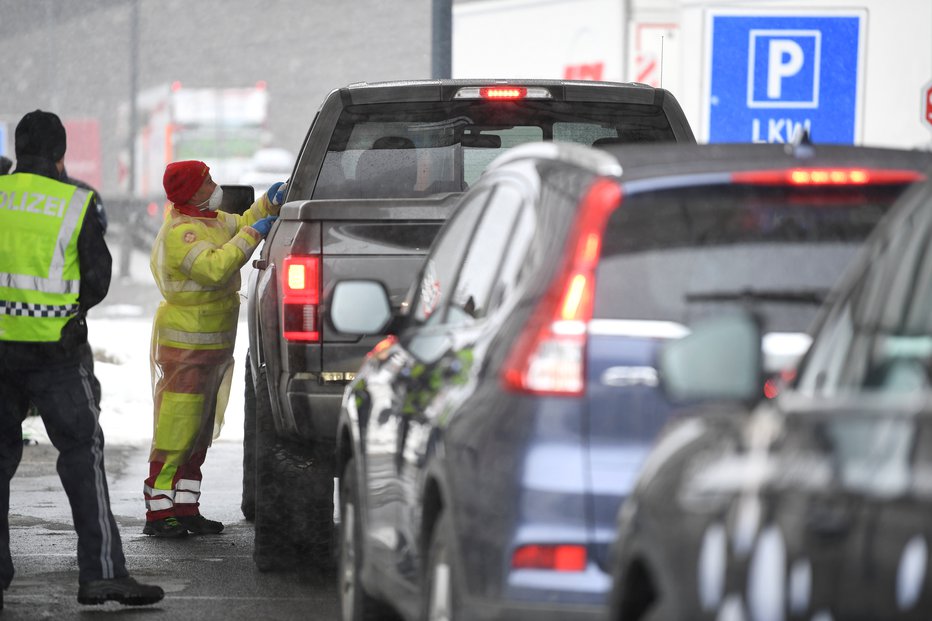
<point>826,176</point>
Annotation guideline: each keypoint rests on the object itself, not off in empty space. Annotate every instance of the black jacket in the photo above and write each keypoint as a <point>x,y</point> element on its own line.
<point>94,262</point>
<point>97,203</point>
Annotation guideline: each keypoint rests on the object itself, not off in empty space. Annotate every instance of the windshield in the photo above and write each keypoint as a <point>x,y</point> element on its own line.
<point>684,254</point>
<point>419,149</point>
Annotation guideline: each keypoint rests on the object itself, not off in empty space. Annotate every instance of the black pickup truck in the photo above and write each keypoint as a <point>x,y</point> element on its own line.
<point>381,169</point>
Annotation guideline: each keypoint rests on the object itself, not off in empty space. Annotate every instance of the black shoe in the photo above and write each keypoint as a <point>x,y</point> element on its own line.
<point>199,525</point>
<point>166,527</point>
<point>124,590</point>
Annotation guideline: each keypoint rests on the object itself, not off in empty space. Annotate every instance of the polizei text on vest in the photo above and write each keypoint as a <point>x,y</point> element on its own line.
<point>33,202</point>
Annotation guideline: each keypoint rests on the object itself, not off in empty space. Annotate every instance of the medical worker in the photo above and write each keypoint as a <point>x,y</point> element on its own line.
<point>196,261</point>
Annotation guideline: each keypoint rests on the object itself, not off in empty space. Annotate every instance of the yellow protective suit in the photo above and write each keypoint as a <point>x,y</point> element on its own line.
<point>196,263</point>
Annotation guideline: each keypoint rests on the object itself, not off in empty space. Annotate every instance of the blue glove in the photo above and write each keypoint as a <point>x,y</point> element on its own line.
<point>277,193</point>
<point>264,225</point>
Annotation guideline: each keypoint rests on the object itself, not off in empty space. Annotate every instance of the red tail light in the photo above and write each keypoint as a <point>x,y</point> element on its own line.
<point>553,557</point>
<point>503,92</point>
<point>827,176</point>
<point>300,298</point>
<point>549,355</point>
<point>771,389</point>
<point>382,346</point>
<point>774,385</point>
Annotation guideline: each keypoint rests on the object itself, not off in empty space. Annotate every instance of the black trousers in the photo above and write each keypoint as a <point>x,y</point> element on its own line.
<point>61,384</point>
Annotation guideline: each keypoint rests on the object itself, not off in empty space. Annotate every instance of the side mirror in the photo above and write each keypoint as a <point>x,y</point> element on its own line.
<point>237,198</point>
<point>719,360</point>
<point>360,307</point>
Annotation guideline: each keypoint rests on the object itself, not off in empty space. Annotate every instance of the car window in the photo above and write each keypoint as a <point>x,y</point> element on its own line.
<point>443,262</point>
<point>878,337</point>
<point>424,148</point>
<point>825,360</point>
<point>515,266</point>
<point>475,291</point>
<point>684,254</point>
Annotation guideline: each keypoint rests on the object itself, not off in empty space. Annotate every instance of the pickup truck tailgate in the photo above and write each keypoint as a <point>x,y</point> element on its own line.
<point>398,232</point>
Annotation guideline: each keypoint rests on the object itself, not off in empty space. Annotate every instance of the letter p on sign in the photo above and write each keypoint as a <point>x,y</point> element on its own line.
<point>927,105</point>
<point>786,59</point>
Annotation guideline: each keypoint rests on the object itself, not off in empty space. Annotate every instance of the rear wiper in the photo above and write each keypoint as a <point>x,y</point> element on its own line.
<point>789,296</point>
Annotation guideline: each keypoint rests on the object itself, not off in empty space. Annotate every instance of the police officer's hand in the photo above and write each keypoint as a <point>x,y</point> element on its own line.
<point>264,225</point>
<point>277,193</point>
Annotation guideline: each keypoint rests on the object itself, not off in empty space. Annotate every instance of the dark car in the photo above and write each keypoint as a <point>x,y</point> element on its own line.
<point>813,505</point>
<point>486,447</point>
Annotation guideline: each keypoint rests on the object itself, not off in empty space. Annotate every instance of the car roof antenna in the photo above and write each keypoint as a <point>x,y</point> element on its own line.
<point>801,145</point>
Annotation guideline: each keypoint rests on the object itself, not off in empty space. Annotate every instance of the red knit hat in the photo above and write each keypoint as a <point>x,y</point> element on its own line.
<point>183,179</point>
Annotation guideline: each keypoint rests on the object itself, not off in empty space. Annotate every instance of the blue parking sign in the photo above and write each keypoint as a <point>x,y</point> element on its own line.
<point>771,75</point>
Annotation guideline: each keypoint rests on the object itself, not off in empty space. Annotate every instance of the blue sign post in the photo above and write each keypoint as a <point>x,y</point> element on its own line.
<point>772,75</point>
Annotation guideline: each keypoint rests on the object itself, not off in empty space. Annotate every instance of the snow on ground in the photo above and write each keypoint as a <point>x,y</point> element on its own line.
<point>119,331</point>
<point>121,353</point>
<point>121,364</point>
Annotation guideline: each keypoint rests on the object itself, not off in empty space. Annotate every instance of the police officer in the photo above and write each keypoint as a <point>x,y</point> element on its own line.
<point>54,266</point>
<point>196,261</point>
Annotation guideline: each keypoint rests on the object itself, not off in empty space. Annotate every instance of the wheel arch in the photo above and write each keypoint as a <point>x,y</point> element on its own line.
<point>635,590</point>
<point>344,449</point>
<point>432,507</point>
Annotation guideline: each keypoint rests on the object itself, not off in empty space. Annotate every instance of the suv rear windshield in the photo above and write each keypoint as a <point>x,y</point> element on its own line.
<point>418,149</point>
<point>685,254</point>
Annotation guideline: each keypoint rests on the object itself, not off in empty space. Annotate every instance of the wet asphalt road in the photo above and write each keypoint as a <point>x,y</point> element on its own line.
<point>205,578</point>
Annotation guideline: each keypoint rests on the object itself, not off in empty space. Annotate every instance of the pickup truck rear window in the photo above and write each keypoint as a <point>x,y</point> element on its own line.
<point>681,255</point>
<point>419,149</point>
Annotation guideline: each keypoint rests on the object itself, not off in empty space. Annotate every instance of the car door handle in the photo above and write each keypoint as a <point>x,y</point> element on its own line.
<point>260,264</point>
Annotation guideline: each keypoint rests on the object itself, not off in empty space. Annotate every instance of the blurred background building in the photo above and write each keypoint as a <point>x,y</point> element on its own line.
<point>85,60</point>
<point>240,80</point>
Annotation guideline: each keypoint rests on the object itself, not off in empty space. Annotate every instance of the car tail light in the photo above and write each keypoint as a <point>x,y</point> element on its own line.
<point>503,92</point>
<point>771,389</point>
<point>774,385</point>
<point>554,557</point>
<point>300,298</point>
<point>382,346</point>
<point>827,176</point>
<point>549,355</point>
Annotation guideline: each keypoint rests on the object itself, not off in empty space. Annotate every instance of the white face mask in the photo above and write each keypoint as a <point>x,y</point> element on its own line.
<point>213,203</point>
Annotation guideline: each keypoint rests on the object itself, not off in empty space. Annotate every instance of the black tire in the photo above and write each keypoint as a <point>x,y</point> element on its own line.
<point>440,599</point>
<point>355,603</point>
<point>638,596</point>
<point>659,611</point>
<point>248,504</point>
<point>294,496</point>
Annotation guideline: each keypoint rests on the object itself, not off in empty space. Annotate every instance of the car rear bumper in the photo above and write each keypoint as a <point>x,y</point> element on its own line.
<point>484,610</point>
<point>316,408</point>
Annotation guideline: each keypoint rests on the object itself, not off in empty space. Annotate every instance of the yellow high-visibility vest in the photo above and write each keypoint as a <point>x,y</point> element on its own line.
<point>196,264</point>
<point>40,277</point>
